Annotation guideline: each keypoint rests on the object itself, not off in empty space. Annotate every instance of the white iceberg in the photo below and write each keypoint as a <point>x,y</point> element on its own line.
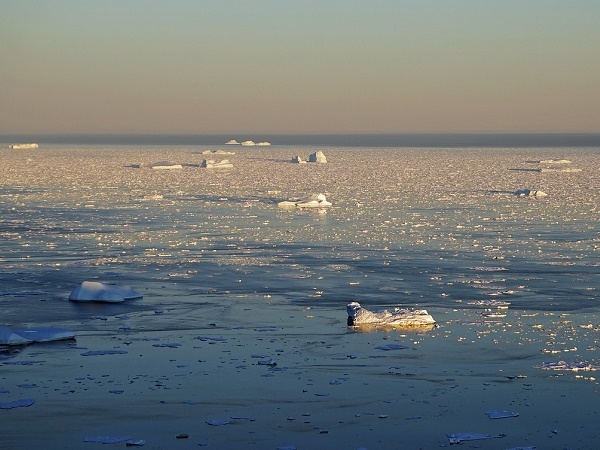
<point>211,164</point>
<point>263,144</point>
<point>23,146</point>
<point>232,142</point>
<point>317,157</point>
<point>400,317</point>
<point>298,160</point>
<point>248,143</point>
<point>94,291</point>
<point>530,193</point>
<point>312,201</point>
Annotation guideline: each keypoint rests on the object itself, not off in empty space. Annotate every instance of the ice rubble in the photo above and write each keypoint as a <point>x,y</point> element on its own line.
<point>530,193</point>
<point>312,201</point>
<point>400,317</point>
<point>36,334</point>
<point>211,164</point>
<point>95,291</point>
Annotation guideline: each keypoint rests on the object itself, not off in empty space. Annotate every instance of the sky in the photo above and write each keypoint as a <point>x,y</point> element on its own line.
<point>299,66</point>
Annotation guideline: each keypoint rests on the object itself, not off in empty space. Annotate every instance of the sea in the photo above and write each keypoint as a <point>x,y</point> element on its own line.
<point>496,236</point>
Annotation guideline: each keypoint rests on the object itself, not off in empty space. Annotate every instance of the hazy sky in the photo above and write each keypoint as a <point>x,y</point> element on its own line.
<point>299,66</point>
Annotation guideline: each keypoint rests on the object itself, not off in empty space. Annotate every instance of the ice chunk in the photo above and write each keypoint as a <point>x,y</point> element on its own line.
<point>211,164</point>
<point>94,291</point>
<point>312,201</point>
<point>317,157</point>
<point>297,159</point>
<point>9,337</point>
<point>165,165</point>
<point>457,438</point>
<point>46,334</point>
<point>530,193</point>
<point>400,317</point>
<point>107,439</point>
<point>24,403</point>
<point>497,414</point>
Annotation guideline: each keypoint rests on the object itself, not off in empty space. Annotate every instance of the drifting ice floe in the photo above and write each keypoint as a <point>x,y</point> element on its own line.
<point>165,165</point>
<point>94,291</point>
<point>312,201</point>
<point>30,335</point>
<point>530,193</point>
<point>211,164</point>
<point>23,146</point>
<point>357,316</point>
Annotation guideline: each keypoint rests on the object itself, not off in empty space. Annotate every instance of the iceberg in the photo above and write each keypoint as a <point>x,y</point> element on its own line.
<point>312,201</point>
<point>23,146</point>
<point>317,157</point>
<point>232,142</point>
<point>248,143</point>
<point>399,317</point>
<point>165,165</point>
<point>298,160</point>
<point>263,144</point>
<point>530,193</point>
<point>94,291</point>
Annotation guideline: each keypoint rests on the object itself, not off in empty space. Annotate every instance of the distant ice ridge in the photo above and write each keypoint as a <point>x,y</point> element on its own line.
<point>95,291</point>
<point>23,146</point>
<point>312,201</point>
<point>399,317</point>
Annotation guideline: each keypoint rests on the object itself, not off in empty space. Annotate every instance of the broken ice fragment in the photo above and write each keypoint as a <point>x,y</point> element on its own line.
<point>46,334</point>
<point>9,337</point>
<point>106,439</point>
<point>497,414</point>
<point>457,438</point>
<point>17,404</point>
<point>217,423</point>
<point>399,317</point>
<point>391,347</point>
<point>104,352</point>
<point>94,291</point>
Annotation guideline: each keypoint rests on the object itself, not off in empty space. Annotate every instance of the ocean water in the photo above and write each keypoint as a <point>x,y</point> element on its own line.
<point>513,282</point>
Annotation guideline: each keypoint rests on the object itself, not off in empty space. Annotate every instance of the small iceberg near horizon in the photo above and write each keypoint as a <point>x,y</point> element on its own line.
<point>399,317</point>
<point>232,142</point>
<point>312,201</point>
<point>95,291</point>
<point>23,146</point>
<point>318,157</point>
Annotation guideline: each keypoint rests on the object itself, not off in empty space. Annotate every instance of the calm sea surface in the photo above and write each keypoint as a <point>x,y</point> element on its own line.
<point>513,282</point>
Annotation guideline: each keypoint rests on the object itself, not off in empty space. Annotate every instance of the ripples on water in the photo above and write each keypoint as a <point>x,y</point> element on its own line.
<point>433,228</point>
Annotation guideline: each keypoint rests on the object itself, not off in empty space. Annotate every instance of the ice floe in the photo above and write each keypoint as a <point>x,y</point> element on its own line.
<point>312,201</point>
<point>35,334</point>
<point>95,291</point>
<point>530,193</point>
<point>457,438</point>
<point>212,164</point>
<point>498,414</point>
<point>23,403</point>
<point>399,317</point>
<point>165,165</point>
<point>218,152</point>
<point>573,366</point>
<point>23,146</point>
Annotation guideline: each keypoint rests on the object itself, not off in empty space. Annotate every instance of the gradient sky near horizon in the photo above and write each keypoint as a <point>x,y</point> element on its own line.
<point>299,66</point>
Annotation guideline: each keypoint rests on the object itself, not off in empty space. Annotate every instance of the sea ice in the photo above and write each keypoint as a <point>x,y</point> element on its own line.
<point>95,291</point>
<point>400,317</point>
<point>107,439</point>
<point>312,201</point>
<point>17,404</point>
<point>9,337</point>
<point>165,165</point>
<point>530,193</point>
<point>497,414</point>
<point>211,164</point>
<point>317,157</point>
<point>46,334</point>
<point>457,438</point>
